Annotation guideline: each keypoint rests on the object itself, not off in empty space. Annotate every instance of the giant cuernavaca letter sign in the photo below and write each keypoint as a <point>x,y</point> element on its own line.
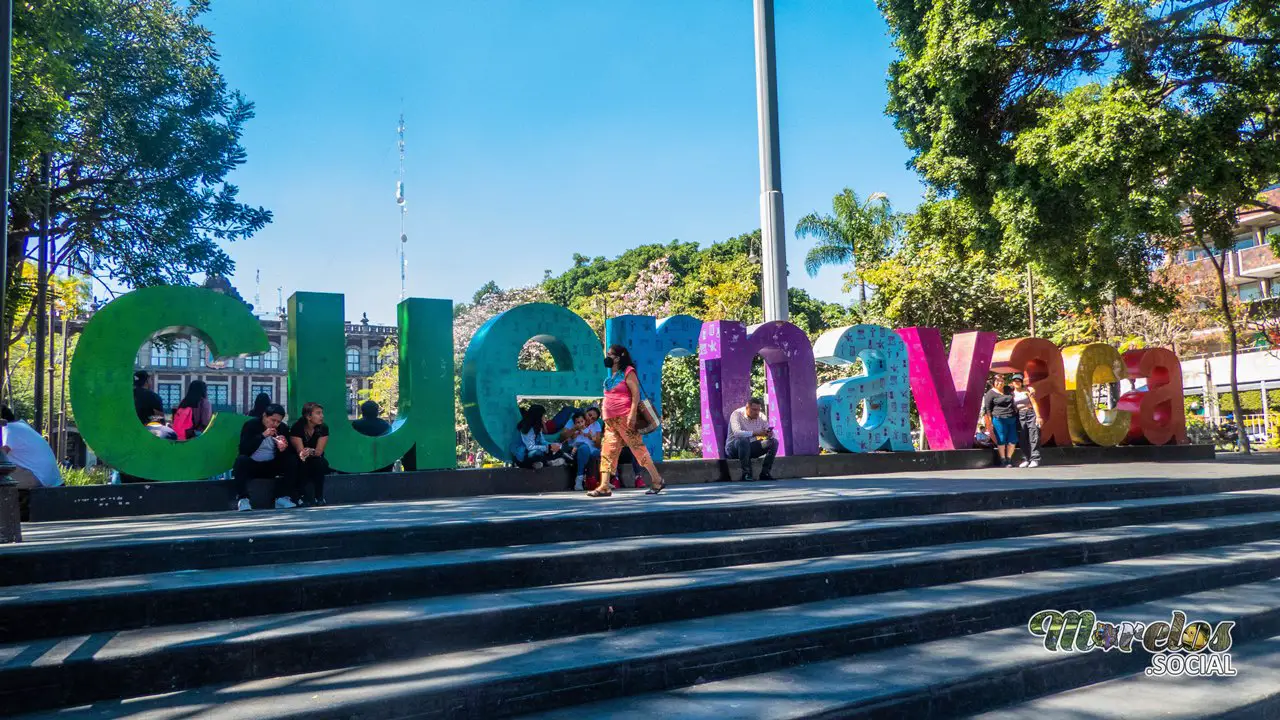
<point>726,351</point>
<point>102,379</point>
<point>948,388</point>
<point>650,342</point>
<point>317,373</point>
<point>493,384</point>
<point>885,422</point>
<point>896,364</point>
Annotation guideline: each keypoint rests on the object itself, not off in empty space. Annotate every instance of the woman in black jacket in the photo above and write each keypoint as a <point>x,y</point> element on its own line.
<point>264,443</point>
<point>309,437</point>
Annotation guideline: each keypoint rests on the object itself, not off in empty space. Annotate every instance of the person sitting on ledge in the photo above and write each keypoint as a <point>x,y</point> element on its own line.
<point>145,400</point>
<point>583,437</point>
<point>264,441</point>
<point>309,436</point>
<point>531,449</point>
<point>37,467</point>
<point>750,436</point>
<point>370,425</point>
<point>158,428</point>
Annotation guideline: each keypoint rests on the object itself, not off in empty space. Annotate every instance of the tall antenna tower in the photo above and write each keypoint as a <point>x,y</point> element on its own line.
<point>404,239</point>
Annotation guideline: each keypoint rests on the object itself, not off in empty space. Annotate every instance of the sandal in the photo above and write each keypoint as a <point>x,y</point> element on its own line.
<point>655,489</point>
<point>597,493</point>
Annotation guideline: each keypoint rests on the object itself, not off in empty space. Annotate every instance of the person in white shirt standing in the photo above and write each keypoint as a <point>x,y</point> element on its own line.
<point>750,436</point>
<point>37,467</point>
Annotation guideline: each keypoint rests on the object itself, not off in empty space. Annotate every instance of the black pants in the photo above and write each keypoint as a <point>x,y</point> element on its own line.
<point>1029,436</point>
<point>745,449</point>
<point>310,471</point>
<point>281,468</point>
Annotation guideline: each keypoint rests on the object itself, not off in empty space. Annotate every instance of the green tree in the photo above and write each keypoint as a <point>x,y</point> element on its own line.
<point>857,232</point>
<point>70,297</point>
<point>1083,135</point>
<point>126,98</point>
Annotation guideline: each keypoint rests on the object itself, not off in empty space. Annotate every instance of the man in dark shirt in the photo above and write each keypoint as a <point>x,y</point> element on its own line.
<point>146,403</point>
<point>370,424</point>
<point>1001,415</point>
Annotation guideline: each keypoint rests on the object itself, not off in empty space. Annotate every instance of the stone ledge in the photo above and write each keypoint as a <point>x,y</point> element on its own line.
<point>157,498</point>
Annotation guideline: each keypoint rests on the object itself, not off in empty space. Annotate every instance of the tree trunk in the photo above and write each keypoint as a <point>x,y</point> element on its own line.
<point>1237,411</point>
<point>863,292</point>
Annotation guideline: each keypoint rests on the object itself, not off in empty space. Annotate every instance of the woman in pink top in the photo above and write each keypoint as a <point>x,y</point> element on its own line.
<point>621,408</point>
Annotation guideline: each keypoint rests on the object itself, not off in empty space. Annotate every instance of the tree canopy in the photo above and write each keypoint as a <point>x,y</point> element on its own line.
<point>142,130</point>
<point>1082,134</point>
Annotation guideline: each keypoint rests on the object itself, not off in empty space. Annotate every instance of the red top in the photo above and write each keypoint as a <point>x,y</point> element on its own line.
<point>617,399</point>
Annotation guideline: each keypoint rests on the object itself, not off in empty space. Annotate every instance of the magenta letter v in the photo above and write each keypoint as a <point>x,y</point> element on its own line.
<point>948,391</point>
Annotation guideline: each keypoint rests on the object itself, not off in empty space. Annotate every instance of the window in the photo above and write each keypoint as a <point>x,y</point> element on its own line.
<point>1250,291</point>
<point>1272,232</point>
<point>170,394</point>
<point>353,359</point>
<point>1246,241</point>
<point>256,390</point>
<point>1273,288</point>
<point>219,395</point>
<point>375,359</point>
<point>176,356</point>
<point>269,360</point>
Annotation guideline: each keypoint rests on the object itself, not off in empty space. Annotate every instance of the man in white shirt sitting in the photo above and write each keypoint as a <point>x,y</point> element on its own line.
<point>750,436</point>
<point>25,448</point>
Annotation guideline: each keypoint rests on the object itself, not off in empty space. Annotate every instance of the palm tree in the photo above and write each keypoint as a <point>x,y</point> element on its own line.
<point>859,233</point>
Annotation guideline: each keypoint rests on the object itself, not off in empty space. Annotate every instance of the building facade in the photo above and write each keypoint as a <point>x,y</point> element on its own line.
<point>1252,270</point>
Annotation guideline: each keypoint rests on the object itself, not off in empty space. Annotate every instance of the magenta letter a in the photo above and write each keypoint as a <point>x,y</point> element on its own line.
<point>948,390</point>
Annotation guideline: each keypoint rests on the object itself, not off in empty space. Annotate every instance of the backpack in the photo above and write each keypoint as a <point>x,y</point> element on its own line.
<point>183,424</point>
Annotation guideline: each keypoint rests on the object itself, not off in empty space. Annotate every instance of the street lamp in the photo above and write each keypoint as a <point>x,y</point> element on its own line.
<point>773,276</point>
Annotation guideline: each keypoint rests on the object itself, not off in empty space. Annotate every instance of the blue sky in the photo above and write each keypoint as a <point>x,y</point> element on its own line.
<point>537,129</point>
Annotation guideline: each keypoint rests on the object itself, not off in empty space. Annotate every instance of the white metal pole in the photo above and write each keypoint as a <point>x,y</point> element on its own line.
<point>773,291</point>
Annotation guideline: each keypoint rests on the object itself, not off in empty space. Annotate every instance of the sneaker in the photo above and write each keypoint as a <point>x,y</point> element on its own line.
<point>640,482</point>
<point>557,462</point>
<point>578,483</point>
<point>1034,463</point>
<point>537,465</point>
<point>1008,464</point>
<point>1025,463</point>
<point>284,503</point>
<point>318,502</point>
<point>765,477</point>
<point>748,478</point>
<point>243,505</point>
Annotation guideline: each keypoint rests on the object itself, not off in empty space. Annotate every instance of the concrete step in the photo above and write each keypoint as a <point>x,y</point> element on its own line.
<point>958,676</point>
<point>160,659</point>
<point>88,606</point>
<point>506,680</point>
<point>56,552</point>
<point>1253,694</point>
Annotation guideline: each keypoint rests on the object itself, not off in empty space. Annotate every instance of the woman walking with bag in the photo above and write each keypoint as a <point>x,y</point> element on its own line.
<point>622,403</point>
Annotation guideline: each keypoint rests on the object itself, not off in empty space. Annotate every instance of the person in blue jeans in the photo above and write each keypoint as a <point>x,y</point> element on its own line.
<point>583,438</point>
<point>1000,411</point>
